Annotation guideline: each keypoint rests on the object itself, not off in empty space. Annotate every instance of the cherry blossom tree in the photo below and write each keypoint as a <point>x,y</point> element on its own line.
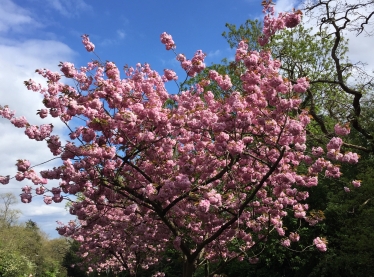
<point>212,177</point>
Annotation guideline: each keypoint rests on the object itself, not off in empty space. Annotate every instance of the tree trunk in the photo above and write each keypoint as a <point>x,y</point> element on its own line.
<point>189,268</point>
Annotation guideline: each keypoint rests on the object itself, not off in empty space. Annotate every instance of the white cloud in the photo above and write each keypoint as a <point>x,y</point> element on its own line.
<point>39,209</point>
<point>118,37</point>
<point>359,46</point>
<point>18,61</point>
<point>14,18</point>
<point>286,5</point>
<point>69,8</point>
<point>214,53</point>
<point>45,216</point>
<point>121,34</point>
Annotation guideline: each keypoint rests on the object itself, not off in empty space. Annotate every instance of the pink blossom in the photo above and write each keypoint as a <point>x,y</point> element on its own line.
<point>333,172</point>
<point>26,189</point>
<point>39,190</point>
<point>320,243</point>
<point>170,75</point>
<point>356,183</point>
<point>19,122</point>
<point>301,86</point>
<point>335,143</point>
<point>294,236</point>
<point>20,176</point>
<point>4,179</point>
<point>47,200</point>
<point>26,197</point>
<point>224,82</point>
<point>350,157</point>
<point>32,85</point>
<point>43,113</point>
<point>68,68</point>
<point>167,40</point>
<point>204,205</point>
<point>5,112</point>
<point>341,130</point>
<point>39,133</point>
<point>286,242</point>
<point>23,165</point>
<point>111,70</point>
<point>87,44</point>
<point>54,144</point>
<point>235,147</point>
<point>317,151</point>
<point>293,19</point>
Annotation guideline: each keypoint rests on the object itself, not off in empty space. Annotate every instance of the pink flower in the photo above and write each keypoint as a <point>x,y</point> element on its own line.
<point>167,40</point>
<point>286,242</point>
<point>294,236</point>
<point>335,143</point>
<point>87,44</point>
<point>346,189</point>
<point>356,183</point>
<point>26,189</point>
<point>317,151</point>
<point>293,19</point>
<point>68,69</point>
<point>170,75</point>
<point>301,86</point>
<point>43,113</point>
<point>204,205</point>
<point>26,197</point>
<point>48,200</point>
<point>111,71</point>
<point>40,190</point>
<point>350,157</point>
<point>19,122</point>
<point>23,165</point>
<point>4,179</point>
<point>6,113</point>
<point>320,243</point>
<point>341,130</point>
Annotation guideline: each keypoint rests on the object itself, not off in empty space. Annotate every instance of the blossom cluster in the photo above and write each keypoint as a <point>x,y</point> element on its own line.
<point>206,173</point>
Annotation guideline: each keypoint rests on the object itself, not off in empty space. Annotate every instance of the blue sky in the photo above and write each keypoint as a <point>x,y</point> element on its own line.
<point>128,32</point>
<point>42,33</point>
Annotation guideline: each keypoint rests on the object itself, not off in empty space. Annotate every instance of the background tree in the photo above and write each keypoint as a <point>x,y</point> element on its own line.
<point>24,249</point>
<point>8,215</point>
<point>337,17</point>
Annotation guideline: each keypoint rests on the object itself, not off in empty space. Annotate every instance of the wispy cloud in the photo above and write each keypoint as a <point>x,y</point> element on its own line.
<point>14,18</point>
<point>18,60</point>
<point>286,5</point>
<point>116,39</point>
<point>69,8</point>
<point>216,53</point>
<point>121,34</point>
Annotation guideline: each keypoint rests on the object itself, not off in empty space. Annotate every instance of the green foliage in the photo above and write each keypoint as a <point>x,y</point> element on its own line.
<point>349,224</point>
<point>13,264</point>
<point>25,250</point>
<point>250,31</point>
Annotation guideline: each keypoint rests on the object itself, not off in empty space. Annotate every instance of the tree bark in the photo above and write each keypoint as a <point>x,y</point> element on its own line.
<point>189,268</point>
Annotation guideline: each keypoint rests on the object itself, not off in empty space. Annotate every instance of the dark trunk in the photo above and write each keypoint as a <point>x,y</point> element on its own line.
<point>189,268</point>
